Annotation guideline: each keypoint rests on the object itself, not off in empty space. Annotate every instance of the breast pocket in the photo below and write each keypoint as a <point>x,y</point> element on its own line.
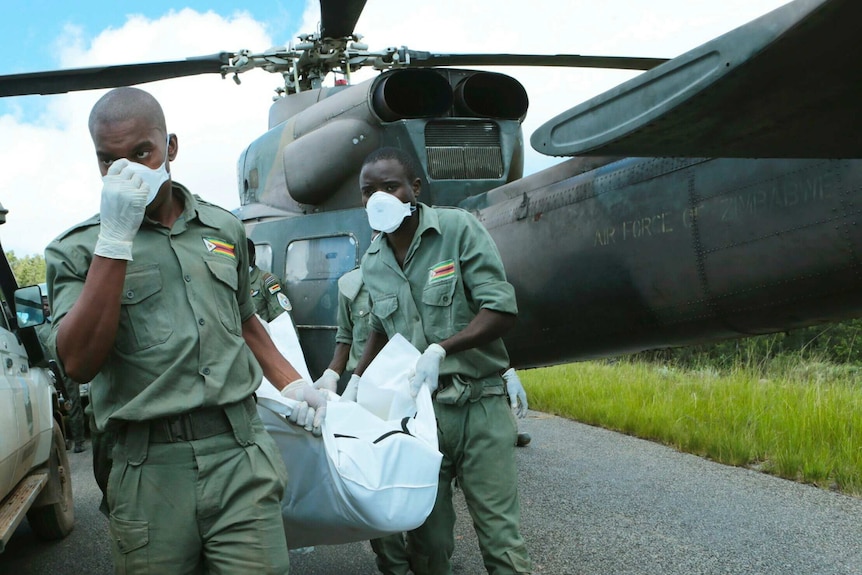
<point>384,309</point>
<point>144,322</point>
<point>224,298</point>
<point>440,319</point>
<point>359,311</point>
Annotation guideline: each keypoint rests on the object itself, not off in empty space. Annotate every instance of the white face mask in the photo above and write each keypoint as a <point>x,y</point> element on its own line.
<point>153,178</point>
<point>386,212</point>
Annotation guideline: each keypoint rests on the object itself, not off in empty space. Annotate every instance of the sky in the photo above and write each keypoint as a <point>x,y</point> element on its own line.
<point>49,177</point>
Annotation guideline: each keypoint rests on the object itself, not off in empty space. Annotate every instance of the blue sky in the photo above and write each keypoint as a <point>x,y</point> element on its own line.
<point>38,24</point>
<point>44,28</point>
<point>50,181</point>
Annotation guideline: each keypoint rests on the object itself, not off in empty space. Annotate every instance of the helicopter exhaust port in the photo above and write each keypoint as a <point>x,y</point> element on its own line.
<point>406,94</point>
<point>490,95</point>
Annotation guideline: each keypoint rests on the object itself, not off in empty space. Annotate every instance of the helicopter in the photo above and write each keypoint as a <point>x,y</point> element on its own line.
<point>712,196</point>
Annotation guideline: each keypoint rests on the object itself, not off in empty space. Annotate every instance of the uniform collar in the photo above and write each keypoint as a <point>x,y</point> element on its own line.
<point>191,210</point>
<point>428,220</point>
<point>192,207</point>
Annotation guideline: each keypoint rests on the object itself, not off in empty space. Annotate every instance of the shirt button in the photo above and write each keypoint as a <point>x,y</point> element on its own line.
<point>130,294</point>
<point>187,277</point>
<point>206,371</point>
<point>201,321</point>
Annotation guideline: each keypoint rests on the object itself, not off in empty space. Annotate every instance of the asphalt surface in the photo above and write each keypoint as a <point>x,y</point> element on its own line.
<point>593,502</point>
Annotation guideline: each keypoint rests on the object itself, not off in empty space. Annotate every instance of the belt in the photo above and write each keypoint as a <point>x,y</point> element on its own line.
<point>198,424</point>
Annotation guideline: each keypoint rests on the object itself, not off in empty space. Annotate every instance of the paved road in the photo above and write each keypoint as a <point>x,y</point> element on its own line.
<point>594,503</point>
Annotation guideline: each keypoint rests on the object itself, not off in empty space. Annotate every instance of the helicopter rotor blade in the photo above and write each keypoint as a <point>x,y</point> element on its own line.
<point>339,17</point>
<point>77,79</point>
<point>419,58</point>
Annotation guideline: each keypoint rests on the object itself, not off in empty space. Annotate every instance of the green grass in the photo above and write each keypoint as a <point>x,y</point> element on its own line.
<point>802,422</point>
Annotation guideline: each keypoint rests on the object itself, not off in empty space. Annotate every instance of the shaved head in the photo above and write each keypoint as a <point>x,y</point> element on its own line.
<point>122,104</point>
<point>129,124</point>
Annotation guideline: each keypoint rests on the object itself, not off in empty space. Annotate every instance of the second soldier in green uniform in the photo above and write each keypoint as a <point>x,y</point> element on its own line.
<point>267,294</point>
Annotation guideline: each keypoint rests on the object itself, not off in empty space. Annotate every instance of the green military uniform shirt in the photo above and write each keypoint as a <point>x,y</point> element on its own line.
<point>179,345</point>
<point>354,309</point>
<point>269,299</point>
<point>452,270</point>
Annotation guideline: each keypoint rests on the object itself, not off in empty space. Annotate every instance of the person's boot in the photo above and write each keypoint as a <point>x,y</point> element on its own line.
<point>523,439</point>
<point>79,446</point>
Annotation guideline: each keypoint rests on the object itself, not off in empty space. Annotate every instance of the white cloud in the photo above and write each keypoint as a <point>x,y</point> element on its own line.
<point>50,178</point>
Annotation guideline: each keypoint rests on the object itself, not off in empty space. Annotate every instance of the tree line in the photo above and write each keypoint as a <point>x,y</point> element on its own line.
<point>28,270</point>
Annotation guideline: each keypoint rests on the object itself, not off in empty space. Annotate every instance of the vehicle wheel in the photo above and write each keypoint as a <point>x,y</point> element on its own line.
<point>56,520</point>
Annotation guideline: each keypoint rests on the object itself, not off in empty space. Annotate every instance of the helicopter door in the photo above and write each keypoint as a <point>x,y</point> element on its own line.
<point>312,268</point>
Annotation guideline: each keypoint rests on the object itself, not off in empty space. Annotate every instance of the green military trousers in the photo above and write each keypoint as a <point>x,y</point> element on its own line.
<point>103,446</point>
<point>477,440</point>
<point>391,552</point>
<point>76,412</point>
<point>204,506</point>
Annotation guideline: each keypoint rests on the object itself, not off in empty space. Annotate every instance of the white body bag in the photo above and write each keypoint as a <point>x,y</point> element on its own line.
<point>374,470</point>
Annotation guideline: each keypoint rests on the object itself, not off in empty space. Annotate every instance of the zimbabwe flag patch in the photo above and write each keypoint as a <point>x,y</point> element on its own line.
<point>442,271</point>
<point>271,284</point>
<point>222,247</point>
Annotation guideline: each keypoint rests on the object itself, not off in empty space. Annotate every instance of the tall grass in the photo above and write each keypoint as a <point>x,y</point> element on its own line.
<point>801,420</point>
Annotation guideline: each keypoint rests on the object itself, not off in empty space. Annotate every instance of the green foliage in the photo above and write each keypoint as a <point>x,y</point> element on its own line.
<point>839,343</point>
<point>29,270</point>
<point>794,418</point>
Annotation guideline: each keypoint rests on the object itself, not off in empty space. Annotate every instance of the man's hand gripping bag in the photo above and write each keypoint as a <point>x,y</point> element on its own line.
<point>373,471</point>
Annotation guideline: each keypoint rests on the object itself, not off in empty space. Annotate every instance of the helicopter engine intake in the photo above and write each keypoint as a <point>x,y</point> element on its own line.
<point>426,93</point>
<point>489,95</point>
<point>409,94</point>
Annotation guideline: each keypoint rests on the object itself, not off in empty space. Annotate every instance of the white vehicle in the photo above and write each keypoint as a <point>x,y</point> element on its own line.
<point>35,476</point>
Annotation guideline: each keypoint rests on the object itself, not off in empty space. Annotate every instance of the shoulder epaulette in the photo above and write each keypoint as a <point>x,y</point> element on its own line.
<point>93,220</point>
<point>350,283</point>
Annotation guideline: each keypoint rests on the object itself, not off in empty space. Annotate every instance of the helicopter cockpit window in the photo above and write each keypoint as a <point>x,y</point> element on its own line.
<point>320,258</point>
<point>263,256</point>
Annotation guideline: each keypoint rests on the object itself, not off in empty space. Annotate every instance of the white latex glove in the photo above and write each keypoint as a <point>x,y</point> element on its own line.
<point>517,394</point>
<point>352,388</point>
<point>124,200</point>
<point>317,421</point>
<point>302,415</point>
<point>427,369</point>
<point>311,410</point>
<point>328,381</point>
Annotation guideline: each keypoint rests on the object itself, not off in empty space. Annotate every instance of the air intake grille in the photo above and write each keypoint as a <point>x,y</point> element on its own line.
<point>463,150</point>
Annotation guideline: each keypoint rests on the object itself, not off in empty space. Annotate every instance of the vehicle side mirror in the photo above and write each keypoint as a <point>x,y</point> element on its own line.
<point>28,306</point>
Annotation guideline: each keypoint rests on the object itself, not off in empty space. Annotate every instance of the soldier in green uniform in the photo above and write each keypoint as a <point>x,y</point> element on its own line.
<point>152,305</point>
<point>268,297</point>
<point>73,393</point>
<point>434,276</point>
<point>354,307</point>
